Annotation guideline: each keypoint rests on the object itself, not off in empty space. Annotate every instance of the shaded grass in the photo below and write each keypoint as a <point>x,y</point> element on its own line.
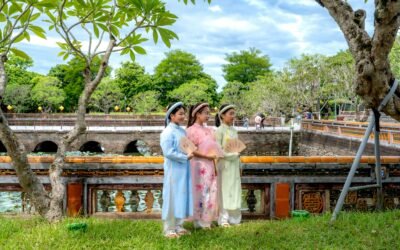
<point>351,231</point>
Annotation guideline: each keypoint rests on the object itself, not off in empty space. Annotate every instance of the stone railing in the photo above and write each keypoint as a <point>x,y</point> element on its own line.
<point>390,132</point>
<point>130,187</point>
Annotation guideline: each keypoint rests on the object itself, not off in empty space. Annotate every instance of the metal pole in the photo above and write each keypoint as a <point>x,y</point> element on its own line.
<point>291,137</point>
<point>379,190</point>
<point>353,169</point>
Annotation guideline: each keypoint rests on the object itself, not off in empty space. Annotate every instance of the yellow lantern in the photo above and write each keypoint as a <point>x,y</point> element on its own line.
<point>40,108</point>
<point>128,109</point>
<point>9,107</point>
<point>116,108</point>
<point>61,108</point>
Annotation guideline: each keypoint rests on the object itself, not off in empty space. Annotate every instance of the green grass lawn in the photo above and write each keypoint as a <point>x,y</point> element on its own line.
<point>351,231</point>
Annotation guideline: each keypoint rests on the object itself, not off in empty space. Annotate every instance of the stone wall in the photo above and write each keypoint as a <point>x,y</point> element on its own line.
<point>328,144</point>
<point>257,142</point>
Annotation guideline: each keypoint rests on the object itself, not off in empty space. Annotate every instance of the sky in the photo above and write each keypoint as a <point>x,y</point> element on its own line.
<point>281,29</point>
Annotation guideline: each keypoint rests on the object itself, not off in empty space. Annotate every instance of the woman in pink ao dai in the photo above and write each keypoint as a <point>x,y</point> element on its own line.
<point>205,193</point>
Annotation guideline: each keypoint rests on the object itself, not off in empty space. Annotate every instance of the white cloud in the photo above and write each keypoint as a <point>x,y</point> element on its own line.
<point>50,42</point>
<point>230,23</point>
<point>215,8</point>
<point>211,59</point>
<point>257,3</point>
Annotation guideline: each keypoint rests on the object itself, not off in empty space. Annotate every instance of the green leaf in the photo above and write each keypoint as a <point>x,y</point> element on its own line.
<point>20,38</point>
<point>14,8</point>
<point>102,26</point>
<point>139,50</point>
<point>20,53</point>
<point>132,55</point>
<point>114,30</point>
<point>25,16</point>
<point>155,36</point>
<point>51,16</point>
<point>66,56</point>
<point>166,36</point>
<point>2,17</point>
<point>47,3</point>
<point>38,31</point>
<point>35,16</point>
<point>96,30</point>
<point>125,51</point>
<point>165,21</point>
<point>27,36</point>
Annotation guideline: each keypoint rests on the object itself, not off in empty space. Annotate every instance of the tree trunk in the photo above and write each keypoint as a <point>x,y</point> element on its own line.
<point>28,180</point>
<point>373,77</point>
<point>58,186</point>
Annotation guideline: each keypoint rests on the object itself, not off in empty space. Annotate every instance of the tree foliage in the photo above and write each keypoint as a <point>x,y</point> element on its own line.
<point>194,91</point>
<point>246,66</point>
<point>133,79</point>
<point>47,93</point>
<point>146,102</point>
<point>176,69</point>
<point>107,95</point>
<point>72,78</point>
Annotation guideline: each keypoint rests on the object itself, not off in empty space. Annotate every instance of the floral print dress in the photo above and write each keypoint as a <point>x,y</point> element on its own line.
<point>205,207</point>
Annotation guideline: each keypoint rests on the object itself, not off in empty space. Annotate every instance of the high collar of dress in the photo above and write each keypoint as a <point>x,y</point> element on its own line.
<point>225,125</point>
<point>174,125</point>
<point>200,125</point>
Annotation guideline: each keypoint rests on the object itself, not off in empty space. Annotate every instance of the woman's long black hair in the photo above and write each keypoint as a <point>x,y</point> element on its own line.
<point>192,119</point>
<point>173,112</point>
<point>217,119</point>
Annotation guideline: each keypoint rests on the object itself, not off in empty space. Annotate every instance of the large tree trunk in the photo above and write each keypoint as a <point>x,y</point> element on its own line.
<point>28,180</point>
<point>373,74</point>
<point>56,169</point>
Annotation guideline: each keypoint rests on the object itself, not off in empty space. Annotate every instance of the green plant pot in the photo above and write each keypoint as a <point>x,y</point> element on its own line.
<point>81,226</point>
<point>300,214</point>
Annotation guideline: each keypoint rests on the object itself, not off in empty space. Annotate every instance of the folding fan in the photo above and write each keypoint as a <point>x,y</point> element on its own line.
<point>234,146</point>
<point>187,145</point>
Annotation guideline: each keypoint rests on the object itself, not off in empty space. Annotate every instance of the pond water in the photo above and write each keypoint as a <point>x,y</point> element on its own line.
<point>10,202</point>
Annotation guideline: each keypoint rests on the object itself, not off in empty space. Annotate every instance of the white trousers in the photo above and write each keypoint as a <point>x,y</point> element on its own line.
<point>229,216</point>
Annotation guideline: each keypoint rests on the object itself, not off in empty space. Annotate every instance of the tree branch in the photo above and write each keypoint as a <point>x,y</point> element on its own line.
<point>80,21</point>
<point>90,40</point>
<point>132,31</point>
<point>387,22</point>
<point>98,44</point>
<point>15,24</point>
<point>20,34</point>
<point>4,4</point>
<point>352,25</point>
<point>67,36</point>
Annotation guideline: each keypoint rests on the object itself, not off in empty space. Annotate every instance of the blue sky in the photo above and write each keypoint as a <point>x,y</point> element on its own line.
<point>281,29</point>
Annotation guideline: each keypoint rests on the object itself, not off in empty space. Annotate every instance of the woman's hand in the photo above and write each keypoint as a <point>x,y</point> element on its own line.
<point>190,155</point>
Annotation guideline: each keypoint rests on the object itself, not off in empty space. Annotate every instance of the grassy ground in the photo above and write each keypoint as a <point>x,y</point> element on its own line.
<point>351,231</point>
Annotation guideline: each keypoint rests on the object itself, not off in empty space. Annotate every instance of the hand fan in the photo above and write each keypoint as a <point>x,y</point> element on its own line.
<point>187,145</point>
<point>234,146</point>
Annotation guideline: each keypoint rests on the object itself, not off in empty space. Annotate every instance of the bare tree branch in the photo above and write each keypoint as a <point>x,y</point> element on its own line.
<point>387,22</point>
<point>90,40</point>
<point>98,44</point>
<point>351,23</point>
